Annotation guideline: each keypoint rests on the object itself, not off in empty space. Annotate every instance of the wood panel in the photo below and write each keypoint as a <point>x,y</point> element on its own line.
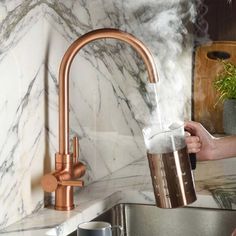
<point>204,94</point>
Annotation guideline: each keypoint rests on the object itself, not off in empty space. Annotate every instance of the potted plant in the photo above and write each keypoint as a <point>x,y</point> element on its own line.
<point>225,84</point>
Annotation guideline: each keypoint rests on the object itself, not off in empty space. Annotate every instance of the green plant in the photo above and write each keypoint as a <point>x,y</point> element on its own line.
<point>225,82</point>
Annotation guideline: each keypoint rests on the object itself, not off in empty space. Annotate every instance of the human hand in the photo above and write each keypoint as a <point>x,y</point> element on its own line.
<point>199,141</point>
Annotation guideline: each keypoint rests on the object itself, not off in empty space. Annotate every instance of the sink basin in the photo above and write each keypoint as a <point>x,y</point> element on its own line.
<point>148,220</point>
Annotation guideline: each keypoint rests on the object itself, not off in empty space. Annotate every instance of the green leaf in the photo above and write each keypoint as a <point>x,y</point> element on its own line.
<point>225,82</point>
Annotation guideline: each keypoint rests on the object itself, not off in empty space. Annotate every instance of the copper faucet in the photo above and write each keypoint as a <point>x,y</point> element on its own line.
<point>66,164</point>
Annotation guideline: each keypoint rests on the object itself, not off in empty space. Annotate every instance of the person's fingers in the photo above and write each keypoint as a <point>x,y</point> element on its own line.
<point>193,127</point>
<point>193,144</point>
<point>192,139</point>
<point>193,150</point>
<point>186,133</point>
<point>189,130</point>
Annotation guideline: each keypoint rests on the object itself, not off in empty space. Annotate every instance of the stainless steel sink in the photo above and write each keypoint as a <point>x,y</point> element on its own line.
<point>148,220</point>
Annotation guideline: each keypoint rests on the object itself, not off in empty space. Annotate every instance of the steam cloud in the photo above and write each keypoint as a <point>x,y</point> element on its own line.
<point>171,23</point>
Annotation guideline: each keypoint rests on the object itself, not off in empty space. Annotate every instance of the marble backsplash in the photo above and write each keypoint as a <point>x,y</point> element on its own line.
<point>107,87</point>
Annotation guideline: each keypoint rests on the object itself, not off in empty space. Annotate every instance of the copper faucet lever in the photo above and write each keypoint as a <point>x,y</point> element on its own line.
<point>50,183</point>
<point>75,149</point>
<point>66,164</point>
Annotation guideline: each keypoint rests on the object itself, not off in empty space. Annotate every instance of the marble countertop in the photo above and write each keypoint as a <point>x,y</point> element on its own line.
<point>123,186</point>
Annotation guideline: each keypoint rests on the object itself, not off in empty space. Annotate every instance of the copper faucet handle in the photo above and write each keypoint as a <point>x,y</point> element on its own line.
<point>75,149</point>
<point>50,183</point>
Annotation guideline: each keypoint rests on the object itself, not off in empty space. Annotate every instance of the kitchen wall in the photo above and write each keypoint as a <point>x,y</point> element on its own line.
<point>108,102</point>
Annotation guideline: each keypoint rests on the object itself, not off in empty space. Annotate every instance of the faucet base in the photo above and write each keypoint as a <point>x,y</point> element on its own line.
<point>64,200</point>
<point>68,208</point>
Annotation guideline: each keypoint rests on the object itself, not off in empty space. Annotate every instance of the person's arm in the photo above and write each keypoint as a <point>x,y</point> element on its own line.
<point>206,146</point>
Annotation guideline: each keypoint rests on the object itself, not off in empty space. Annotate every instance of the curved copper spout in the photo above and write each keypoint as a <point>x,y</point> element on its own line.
<point>65,68</point>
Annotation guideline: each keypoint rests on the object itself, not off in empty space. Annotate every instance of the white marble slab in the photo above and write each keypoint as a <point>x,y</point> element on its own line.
<point>22,140</point>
